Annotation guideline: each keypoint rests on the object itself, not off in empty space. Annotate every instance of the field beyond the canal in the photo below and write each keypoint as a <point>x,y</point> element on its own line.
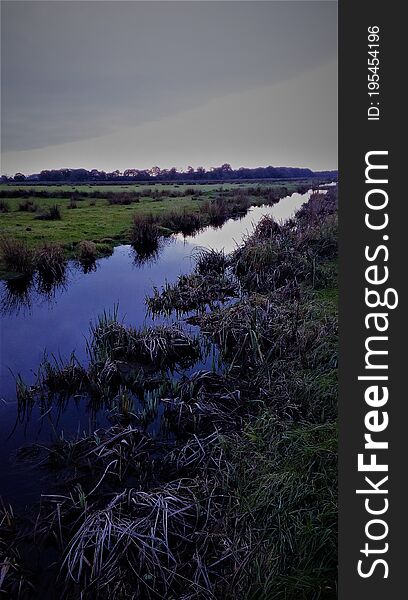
<point>94,218</point>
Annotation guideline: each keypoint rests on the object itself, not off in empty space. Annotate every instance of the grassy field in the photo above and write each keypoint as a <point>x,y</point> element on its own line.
<point>98,220</point>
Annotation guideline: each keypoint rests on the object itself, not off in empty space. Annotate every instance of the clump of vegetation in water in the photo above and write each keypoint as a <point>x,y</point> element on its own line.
<point>87,251</point>
<point>208,284</point>
<point>50,262</point>
<point>185,222</point>
<point>145,233</point>
<point>246,482</point>
<point>18,257</point>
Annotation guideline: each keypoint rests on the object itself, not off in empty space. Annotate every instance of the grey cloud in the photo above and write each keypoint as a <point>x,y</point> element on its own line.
<point>77,70</point>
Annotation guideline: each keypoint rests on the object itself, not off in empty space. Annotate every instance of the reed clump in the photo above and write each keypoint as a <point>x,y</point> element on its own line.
<point>4,206</point>
<point>53,213</point>
<point>50,261</point>
<point>27,206</point>
<point>17,256</point>
<point>208,284</point>
<point>87,251</point>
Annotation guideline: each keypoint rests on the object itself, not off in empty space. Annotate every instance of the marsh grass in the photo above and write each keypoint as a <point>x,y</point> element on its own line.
<point>123,198</point>
<point>208,284</point>
<point>17,256</point>
<point>87,251</point>
<point>4,206</point>
<point>239,501</point>
<point>145,233</point>
<point>15,578</point>
<point>53,213</point>
<point>50,261</point>
<point>27,206</point>
<point>185,222</point>
<point>158,346</point>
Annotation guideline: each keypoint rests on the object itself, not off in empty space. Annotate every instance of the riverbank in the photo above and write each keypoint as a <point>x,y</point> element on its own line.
<point>237,497</point>
<point>36,216</point>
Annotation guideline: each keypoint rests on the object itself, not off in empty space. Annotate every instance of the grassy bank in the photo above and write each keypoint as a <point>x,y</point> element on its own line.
<point>68,215</point>
<point>237,496</point>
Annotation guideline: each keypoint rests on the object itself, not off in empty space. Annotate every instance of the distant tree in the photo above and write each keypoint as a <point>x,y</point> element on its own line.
<point>130,173</point>
<point>155,171</point>
<point>172,174</point>
<point>19,177</point>
<point>113,175</point>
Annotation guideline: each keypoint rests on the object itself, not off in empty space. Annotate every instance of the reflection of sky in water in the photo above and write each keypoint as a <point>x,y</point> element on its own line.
<point>59,325</point>
<point>232,232</point>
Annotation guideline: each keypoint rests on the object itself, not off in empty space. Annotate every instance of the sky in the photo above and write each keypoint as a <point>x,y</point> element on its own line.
<point>115,85</point>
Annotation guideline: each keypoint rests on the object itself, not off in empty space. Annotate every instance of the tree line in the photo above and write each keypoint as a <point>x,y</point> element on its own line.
<point>222,173</point>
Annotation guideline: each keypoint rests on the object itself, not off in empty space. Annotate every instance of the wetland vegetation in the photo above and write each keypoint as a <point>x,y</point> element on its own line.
<point>103,215</point>
<point>233,493</point>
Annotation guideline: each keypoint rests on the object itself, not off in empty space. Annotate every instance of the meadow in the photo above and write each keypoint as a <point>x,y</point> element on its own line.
<point>68,215</point>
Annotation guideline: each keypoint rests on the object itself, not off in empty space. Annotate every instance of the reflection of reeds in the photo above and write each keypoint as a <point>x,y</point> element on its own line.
<point>17,294</point>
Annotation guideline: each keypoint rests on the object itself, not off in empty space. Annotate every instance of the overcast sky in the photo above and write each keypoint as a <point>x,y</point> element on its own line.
<point>134,84</point>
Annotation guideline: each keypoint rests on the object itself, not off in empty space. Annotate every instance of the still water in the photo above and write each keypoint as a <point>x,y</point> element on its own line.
<point>59,324</point>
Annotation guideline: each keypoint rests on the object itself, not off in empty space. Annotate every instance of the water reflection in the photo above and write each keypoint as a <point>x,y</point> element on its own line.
<point>54,314</point>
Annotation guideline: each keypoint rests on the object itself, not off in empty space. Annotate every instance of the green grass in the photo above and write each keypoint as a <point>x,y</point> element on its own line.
<point>96,220</point>
<point>205,187</point>
<point>85,222</point>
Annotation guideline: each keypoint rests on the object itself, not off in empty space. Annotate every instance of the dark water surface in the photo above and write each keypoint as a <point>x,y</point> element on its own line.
<point>58,323</point>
